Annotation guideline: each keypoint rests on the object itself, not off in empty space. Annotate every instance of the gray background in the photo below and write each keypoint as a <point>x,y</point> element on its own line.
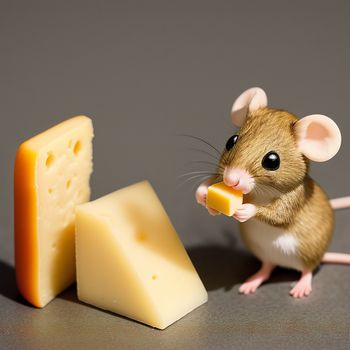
<point>146,72</point>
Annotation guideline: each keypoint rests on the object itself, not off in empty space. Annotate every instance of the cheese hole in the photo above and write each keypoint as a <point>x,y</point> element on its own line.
<point>140,236</point>
<point>154,277</point>
<point>68,184</point>
<point>77,148</point>
<point>49,160</point>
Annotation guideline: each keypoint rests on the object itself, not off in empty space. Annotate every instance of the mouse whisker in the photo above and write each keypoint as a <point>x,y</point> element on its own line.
<point>202,162</point>
<point>199,178</point>
<point>198,173</point>
<point>267,188</point>
<point>227,158</point>
<point>257,190</point>
<point>263,191</point>
<point>202,140</point>
<point>214,165</point>
<point>271,186</point>
<point>204,152</point>
<point>197,183</point>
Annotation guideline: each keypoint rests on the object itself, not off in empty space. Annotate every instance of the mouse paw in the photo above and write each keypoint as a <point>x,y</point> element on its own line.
<point>201,194</point>
<point>249,287</point>
<point>201,197</point>
<point>301,290</point>
<point>254,282</point>
<point>245,212</point>
<point>303,287</point>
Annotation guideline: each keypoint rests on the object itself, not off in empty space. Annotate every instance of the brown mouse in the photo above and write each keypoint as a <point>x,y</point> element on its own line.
<point>286,219</point>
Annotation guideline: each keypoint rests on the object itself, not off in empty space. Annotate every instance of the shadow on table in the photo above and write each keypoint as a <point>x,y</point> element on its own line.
<point>8,286</point>
<point>70,294</point>
<point>224,266</point>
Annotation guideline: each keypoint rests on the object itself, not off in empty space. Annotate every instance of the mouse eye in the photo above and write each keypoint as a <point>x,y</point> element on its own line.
<point>271,161</point>
<point>231,142</point>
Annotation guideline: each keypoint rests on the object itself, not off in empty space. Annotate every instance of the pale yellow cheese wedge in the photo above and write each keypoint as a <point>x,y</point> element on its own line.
<point>224,199</point>
<point>52,173</point>
<point>130,260</point>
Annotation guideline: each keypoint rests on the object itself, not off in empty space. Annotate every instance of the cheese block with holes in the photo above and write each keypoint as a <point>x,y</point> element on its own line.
<point>130,260</point>
<point>52,173</point>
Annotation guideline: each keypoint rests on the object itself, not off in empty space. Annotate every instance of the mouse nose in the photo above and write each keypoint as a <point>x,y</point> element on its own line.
<point>238,179</point>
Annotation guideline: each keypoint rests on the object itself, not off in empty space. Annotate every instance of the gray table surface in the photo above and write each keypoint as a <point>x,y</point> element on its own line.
<point>147,72</point>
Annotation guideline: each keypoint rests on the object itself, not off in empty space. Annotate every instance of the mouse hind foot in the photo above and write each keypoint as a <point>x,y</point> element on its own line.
<point>252,283</point>
<point>303,287</point>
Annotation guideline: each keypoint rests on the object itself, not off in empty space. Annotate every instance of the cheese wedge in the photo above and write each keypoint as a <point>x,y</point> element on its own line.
<point>130,260</point>
<point>224,199</point>
<point>52,172</point>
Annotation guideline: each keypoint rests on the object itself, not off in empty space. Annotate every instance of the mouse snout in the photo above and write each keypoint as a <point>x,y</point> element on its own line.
<point>238,179</point>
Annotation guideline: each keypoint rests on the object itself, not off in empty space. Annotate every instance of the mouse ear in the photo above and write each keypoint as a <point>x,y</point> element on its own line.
<point>318,137</point>
<point>249,101</point>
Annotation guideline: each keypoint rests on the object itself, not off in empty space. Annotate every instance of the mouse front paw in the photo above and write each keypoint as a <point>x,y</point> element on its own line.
<point>245,212</point>
<point>201,194</point>
<point>201,197</point>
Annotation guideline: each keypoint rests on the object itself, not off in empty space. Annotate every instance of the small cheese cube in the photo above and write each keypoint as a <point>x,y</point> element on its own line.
<point>224,199</point>
<point>52,173</point>
<point>131,261</point>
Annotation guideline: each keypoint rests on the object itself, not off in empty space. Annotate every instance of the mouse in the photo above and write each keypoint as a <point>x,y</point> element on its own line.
<point>286,218</point>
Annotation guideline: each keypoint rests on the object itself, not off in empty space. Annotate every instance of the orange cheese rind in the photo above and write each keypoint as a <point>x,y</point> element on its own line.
<point>27,186</point>
<point>26,245</point>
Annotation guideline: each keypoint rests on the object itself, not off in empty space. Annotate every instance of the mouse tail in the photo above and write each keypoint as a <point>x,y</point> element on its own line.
<point>340,203</point>
<point>336,258</point>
